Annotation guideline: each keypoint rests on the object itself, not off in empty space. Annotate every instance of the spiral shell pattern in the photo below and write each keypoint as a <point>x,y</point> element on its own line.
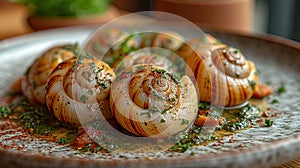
<point>223,74</point>
<point>33,85</point>
<point>156,56</point>
<point>78,90</point>
<point>149,101</point>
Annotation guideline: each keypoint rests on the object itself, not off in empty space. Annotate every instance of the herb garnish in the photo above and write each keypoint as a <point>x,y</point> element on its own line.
<point>5,111</point>
<point>35,119</point>
<point>281,89</point>
<point>252,83</point>
<point>184,121</point>
<point>268,122</point>
<point>62,140</point>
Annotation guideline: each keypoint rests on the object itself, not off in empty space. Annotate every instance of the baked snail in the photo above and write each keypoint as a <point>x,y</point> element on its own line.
<point>149,101</point>
<point>223,74</point>
<point>78,90</point>
<point>103,42</point>
<point>34,83</point>
<point>170,41</point>
<point>156,56</point>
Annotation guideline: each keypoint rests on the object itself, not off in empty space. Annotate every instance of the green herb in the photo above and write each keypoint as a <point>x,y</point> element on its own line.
<point>268,122</point>
<point>62,140</point>
<point>274,101</point>
<point>5,111</point>
<point>102,83</point>
<point>78,8</point>
<point>239,119</point>
<point>182,147</point>
<point>196,135</point>
<point>236,51</point>
<point>281,89</point>
<point>252,83</point>
<point>165,110</point>
<point>175,78</point>
<point>36,118</point>
<point>93,148</point>
<point>160,71</point>
<point>203,106</point>
<point>172,99</point>
<point>184,121</point>
<point>162,120</point>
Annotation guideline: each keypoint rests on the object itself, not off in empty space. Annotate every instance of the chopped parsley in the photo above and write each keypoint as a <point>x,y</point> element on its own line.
<point>5,111</point>
<point>281,89</point>
<point>165,110</point>
<point>252,83</point>
<point>274,101</point>
<point>35,118</point>
<point>184,121</point>
<point>268,122</point>
<point>62,140</point>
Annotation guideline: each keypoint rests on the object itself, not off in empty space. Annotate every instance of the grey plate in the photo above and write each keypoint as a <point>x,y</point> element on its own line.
<point>278,61</point>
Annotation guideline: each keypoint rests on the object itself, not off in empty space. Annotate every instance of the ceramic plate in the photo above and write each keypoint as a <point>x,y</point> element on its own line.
<point>277,60</point>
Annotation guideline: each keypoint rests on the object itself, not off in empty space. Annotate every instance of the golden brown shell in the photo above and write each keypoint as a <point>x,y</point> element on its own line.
<point>223,74</point>
<point>34,83</point>
<point>78,90</point>
<point>149,101</point>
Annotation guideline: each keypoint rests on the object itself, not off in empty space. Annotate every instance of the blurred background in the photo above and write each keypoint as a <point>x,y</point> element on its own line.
<point>275,17</point>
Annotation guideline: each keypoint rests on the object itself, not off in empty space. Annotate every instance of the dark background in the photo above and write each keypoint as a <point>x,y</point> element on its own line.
<point>283,17</point>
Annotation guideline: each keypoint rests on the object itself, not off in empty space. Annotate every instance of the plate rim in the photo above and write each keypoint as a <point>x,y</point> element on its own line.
<point>190,160</point>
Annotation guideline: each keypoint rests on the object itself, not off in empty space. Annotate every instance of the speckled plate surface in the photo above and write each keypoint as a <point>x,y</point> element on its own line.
<point>278,61</point>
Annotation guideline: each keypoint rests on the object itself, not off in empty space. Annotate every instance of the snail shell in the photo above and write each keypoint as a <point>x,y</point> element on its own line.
<point>103,43</point>
<point>170,41</point>
<point>34,83</point>
<point>149,101</point>
<point>78,90</point>
<point>156,56</point>
<point>223,74</point>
